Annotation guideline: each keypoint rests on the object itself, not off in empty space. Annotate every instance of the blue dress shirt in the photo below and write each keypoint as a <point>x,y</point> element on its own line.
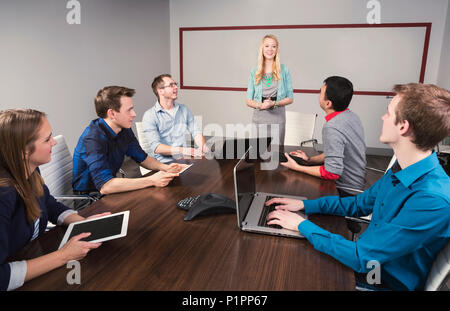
<point>410,224</point>
<point>160,127</point>
<point>99,155</point>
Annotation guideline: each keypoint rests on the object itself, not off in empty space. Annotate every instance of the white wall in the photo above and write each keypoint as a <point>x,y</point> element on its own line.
<point>229,107</point>
<point>58,68</point>
<point>444,66</point>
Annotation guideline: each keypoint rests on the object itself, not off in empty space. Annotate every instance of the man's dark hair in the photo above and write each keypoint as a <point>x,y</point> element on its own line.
<point>339,91</point>
<point>109,98</point>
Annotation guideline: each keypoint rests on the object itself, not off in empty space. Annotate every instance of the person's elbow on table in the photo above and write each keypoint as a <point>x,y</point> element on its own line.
<point>105,189</point>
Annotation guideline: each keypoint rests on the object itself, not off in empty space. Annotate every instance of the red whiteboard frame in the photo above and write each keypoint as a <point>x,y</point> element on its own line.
<point>376,93</point>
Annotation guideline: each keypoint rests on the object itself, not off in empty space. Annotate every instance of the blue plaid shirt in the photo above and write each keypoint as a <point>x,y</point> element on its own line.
<point>99,155</point>
<point>410,224</point>
<point>160,127</point>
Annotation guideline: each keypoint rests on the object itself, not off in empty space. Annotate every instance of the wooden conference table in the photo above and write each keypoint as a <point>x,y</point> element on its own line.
<point>163,252</point>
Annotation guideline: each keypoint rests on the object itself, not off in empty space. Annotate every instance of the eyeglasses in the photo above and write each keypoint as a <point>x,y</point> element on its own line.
<point>174,84</point>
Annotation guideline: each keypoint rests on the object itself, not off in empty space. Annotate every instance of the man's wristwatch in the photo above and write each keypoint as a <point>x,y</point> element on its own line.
<point>275,106</point>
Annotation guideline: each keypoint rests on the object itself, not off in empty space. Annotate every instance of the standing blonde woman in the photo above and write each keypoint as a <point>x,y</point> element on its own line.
<point>270,88</point>
<point>25,202</point>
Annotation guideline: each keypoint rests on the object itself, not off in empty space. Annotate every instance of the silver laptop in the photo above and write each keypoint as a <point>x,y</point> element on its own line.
<point>251,208</point>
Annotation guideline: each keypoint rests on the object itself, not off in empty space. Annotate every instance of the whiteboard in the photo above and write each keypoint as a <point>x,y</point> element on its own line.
<point>373,57</point>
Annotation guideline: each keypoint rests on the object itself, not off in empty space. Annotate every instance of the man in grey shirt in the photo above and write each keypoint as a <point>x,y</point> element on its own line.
<point>344,156</point>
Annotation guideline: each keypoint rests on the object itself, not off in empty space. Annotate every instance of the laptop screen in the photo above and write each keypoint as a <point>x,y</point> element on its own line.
<point>244,185</point>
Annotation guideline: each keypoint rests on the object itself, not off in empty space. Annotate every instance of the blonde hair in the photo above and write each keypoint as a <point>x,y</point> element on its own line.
<point>276,67</point>
<point>18,133</point>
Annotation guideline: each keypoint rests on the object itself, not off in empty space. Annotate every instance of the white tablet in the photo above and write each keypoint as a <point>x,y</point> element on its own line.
<point>103,228</point>
<point>185,168</point>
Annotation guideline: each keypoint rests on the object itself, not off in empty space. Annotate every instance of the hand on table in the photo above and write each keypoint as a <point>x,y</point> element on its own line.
<point>176,167</point>
<point>300,154</point>
<point>291,164</point>
<point>162,179</point>
<point>193,152</point>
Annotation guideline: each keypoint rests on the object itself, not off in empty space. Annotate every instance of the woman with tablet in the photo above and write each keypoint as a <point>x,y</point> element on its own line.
<point>25,202</point>
<point>269,89</point>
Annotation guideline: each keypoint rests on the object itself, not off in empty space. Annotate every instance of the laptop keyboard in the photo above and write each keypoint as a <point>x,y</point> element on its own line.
<point>266,210</point>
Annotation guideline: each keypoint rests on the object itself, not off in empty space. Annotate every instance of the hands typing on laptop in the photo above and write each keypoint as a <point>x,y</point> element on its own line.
<point>284,213</point>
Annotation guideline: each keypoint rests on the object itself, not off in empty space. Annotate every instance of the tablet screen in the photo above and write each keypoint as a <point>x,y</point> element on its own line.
<point>99,228</point>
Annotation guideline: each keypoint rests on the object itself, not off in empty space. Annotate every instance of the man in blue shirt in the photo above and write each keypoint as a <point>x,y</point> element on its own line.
<point>103,145</point>
<point>166,124</point>
<point>410,204</point>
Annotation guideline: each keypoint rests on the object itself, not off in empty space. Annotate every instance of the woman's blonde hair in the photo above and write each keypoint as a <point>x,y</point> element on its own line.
<point>18,132</point>
<point>276,67</point>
